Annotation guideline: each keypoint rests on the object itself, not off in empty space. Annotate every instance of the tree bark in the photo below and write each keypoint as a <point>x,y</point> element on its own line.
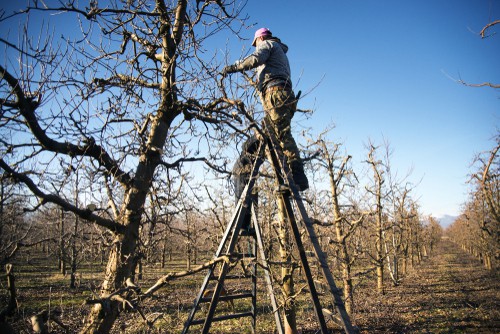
<point>345,259</point>
<point>377,192</point>
<point>287,272</point>
<point>62,253</point>
<point>120,263</point>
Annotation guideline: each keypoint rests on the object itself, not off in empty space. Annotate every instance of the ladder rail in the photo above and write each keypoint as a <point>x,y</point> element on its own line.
<point>215,298</point>
<point>232,229</point>
<point>267,276</point>
<point>247,204</point>
<point>305,264</point>
<point>225,266</point>
<point>322,259</point>
<point>254,246</point>
<point>238,216</point>
<point>243,202</point>
<point>280,164</point>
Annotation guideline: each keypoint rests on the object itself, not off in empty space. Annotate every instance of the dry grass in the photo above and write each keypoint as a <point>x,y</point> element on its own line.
<point>448,293</point>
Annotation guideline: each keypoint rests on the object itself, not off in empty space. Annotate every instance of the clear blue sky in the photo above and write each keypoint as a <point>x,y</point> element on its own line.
<point>384,70</point>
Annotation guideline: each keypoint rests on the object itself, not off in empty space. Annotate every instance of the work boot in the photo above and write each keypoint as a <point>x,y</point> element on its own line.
<point>299,177</point>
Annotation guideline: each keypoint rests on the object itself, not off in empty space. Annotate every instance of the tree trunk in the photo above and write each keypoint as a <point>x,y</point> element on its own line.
<point>62,255</point>
<point>404,264</point>
<point>121,256</point>
<point>74,255</point>
<point>343,251</point>
<point>163,253</point>
<point>379,226</point>
<point>139,269</point>
<point>379,248</point>
<point>188,256</point>
<point>287,272</point>
<point>120,263</point>
<point>118,269</point>
<point>395,268</point>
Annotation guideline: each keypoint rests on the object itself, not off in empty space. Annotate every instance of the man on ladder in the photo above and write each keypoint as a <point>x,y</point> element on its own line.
<point>278,99</point>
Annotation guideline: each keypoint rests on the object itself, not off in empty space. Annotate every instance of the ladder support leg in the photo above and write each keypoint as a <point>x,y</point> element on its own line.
<point>282,172</point>
<point>270,290</point>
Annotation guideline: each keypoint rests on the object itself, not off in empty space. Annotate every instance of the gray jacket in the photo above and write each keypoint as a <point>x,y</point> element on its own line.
<point>271,62</point>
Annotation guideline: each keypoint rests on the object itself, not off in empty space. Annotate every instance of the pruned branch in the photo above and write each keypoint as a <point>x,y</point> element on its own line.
<point>91,13</point>
<point>50,198</point>
<point>27,107</point>
<point>484,84</point>
<point>171,276</point>
<point>117,295</point>
<point>120,80</point>
<point>488,26</point>
<point>207,162</point>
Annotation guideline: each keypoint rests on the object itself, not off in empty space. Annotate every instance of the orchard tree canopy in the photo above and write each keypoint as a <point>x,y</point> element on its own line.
<point>123,91</point>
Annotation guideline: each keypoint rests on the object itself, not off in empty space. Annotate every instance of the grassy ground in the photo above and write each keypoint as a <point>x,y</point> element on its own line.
<point>448,293</point>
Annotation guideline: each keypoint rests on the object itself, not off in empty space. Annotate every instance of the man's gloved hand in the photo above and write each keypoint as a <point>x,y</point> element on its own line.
<point>228,69</point>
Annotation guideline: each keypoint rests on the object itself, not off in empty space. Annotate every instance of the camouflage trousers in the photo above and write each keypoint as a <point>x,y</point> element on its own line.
<point>280,106</point>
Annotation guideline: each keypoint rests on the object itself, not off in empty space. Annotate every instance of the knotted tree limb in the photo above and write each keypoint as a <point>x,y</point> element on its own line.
<point>51,198</point>
<point>489,25</point>
<point>122,295</point>
<point>171,276</point>
<point>484,84</point>
<point>117,296</point>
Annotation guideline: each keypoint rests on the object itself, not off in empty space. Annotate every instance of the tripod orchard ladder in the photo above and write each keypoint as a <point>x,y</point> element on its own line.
<point>240,225</point>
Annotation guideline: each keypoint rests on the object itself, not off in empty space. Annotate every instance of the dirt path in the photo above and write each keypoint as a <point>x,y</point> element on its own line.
<point>449,292</point>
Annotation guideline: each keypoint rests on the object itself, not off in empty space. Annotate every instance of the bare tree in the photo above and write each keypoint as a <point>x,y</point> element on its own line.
<point>433,232</point>
<point>13,228</point>
<point>488,179</point>
<point>399,209</point>
<point>345,224</point>
<point>378,191</point>
<point>395,234</point>
<point>120,99</point>
<point>478,228</point>
<point>11,306</point>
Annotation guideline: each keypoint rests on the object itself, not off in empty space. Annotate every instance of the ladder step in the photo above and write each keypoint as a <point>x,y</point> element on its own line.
<point>239,256</point>
<point>228,297</point>
<point>247,233</point>
<point>310,254</point>
<point>215,278</point>
<point>224,317</point>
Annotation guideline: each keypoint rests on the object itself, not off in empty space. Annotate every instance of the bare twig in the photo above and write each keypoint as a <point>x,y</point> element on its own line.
<point>486,27</point>
<point>49,198</point>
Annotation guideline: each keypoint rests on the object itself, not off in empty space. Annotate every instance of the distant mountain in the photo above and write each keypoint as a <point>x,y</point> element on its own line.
<point>446,220</point>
